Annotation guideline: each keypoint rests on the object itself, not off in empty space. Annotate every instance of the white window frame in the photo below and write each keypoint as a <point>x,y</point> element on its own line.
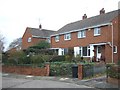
<point>67,36</point>
<point>97,31</point>
<point>57,38</point>
<point>81,49</point>
<point>29,39</point>
<point>115,48</point>
<point>82,34</point>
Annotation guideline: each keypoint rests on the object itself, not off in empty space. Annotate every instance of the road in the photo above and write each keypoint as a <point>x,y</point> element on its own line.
<point>8,82</point>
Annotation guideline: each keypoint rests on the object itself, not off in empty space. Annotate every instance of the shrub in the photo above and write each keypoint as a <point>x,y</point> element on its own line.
<point>16,57</point>
<point>68,58</point>
<point>118,62</point>
<point>36,60</point>
<point>113,71</point>
<point>61,69</point>
<point>57,58</point>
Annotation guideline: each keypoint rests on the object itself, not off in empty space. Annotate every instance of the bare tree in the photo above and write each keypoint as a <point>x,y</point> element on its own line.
<point>1,47</point>
<point>1,43</point>
<point>15,43</point>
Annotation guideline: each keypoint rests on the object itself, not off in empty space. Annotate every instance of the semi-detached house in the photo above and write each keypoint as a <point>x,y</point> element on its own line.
<point>32,36</point>
<point>96,37</point>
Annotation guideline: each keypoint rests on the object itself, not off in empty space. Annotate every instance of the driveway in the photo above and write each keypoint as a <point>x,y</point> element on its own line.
<point>9,82</point>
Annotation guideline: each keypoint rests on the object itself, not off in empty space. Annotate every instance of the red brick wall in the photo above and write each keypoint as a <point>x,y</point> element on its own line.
<point>26,44</point>
<point>27,70</point>
<point>90,38</point>
<point>119,37</point>
<point>116,38</point>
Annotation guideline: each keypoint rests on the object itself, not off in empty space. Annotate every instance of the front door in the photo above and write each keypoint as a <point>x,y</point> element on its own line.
<point>98,53</point>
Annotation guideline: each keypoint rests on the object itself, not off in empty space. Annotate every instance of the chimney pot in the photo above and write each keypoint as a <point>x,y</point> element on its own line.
<point>102,11</point>
<point>40,26</point>
<point>85,16</point>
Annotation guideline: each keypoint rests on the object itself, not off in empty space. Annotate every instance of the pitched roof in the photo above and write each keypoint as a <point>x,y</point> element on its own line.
<point>89,22</point>
<point>40,33</point>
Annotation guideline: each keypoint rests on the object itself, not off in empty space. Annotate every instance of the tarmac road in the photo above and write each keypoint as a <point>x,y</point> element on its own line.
<point>9,82</point>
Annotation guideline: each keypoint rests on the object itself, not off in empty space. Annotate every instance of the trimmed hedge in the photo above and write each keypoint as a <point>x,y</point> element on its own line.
<point>61,69</point>
<point>113,71</point>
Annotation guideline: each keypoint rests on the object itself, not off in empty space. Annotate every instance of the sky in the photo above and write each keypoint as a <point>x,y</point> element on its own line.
<point>16,15</point>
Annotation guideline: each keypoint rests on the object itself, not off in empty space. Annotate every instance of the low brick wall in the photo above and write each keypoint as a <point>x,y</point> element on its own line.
<point>113,81</point>
<point>27,70</point>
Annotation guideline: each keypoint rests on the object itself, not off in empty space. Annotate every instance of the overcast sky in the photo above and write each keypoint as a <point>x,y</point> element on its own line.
<point>16,15</point>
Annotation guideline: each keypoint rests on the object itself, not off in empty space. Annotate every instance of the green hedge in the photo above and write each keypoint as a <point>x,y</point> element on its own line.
<point>113,71</point>
<point>61,69</point>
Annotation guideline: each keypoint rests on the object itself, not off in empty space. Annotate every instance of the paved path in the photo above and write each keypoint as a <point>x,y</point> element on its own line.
<point>15,80</point>
<point>9,82</point>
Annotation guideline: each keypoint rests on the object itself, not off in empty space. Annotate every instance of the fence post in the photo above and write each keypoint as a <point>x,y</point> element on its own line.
<point>80,71</point>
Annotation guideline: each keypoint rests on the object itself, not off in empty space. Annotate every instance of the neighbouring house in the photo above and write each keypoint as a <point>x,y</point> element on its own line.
<point>95,38</point>
<point>33,36</point>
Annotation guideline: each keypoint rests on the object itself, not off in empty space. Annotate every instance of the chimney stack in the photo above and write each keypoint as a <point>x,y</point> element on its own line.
<point>40,26</point>
<point>102,11</point>
<point>84,17</point>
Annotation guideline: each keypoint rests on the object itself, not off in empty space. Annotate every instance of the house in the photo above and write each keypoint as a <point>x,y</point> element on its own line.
<point>96,37</point>
<point>33,36</point>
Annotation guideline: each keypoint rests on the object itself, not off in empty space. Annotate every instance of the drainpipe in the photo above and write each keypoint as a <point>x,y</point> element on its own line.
<point>112,42</point>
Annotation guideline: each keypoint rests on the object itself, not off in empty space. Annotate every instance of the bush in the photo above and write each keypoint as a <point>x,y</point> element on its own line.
<point>113,71</point>
<point>17,58</point>
<point>118,62</point>
<point>36,60</point>
<point>57,58</point>
<point>88,70</point>
<point>4,57</point>
<point>61,69</point>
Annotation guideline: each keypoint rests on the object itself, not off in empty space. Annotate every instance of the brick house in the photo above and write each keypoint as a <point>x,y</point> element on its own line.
<point>96,37</point>
<point>33,36</point>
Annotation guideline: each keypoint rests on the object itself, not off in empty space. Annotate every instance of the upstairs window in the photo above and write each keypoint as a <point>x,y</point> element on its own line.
<point>29,39</point>
<point>56,38</point>
<point>97,31</point>
<point>82,34</point>
<point>67,36</point>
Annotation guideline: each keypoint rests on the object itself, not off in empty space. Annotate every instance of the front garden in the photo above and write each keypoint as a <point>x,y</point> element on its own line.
<point>38,56</point>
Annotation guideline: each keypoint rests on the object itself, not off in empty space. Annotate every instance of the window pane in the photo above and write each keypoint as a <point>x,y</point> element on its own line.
<point>29,39</point>
<point>96,31</point>
<point>80,51</point>
<point>65,51</point>
<point>67,36</point>
<point>115,49</point>
<point>84,51</point>
<point>88,52</point>
<point>99,49</point>
<point>57,38</point>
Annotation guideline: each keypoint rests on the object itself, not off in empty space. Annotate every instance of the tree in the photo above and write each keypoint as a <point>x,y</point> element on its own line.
<point>1,46</point>
<point>1,43</point>
<point>41,45</point>
<point>17,42</point>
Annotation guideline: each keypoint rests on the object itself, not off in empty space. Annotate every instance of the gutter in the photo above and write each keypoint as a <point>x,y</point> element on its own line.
<point>39,36</point>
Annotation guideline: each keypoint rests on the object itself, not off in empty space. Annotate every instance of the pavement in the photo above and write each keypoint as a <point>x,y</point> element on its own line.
<point>98,82</point>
